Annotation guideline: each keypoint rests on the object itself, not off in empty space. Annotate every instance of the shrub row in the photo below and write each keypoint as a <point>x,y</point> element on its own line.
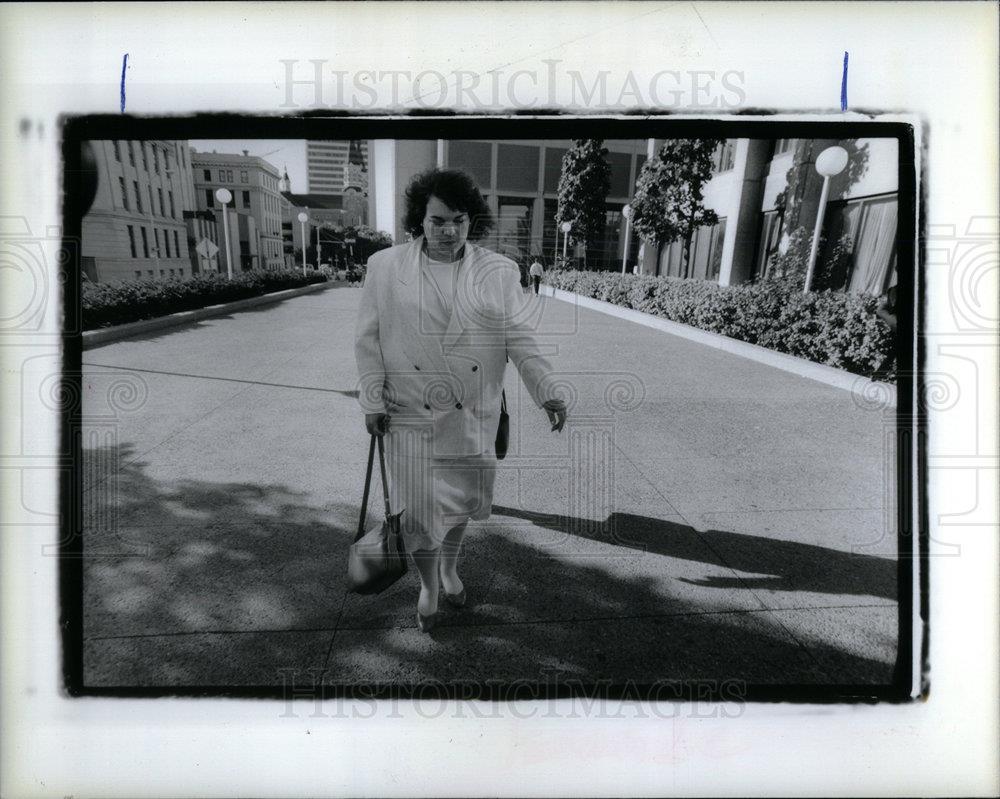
<point>831,328</point>
<point>107,304</point>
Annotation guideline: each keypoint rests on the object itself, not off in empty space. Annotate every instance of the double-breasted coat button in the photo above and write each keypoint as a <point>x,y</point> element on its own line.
<point>426,406</point>
<point>475,368</point>
<point>416,367</point>
<point>458,405</point>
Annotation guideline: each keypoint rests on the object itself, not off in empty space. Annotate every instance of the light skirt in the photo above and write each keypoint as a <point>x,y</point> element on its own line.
<point>437,494</point>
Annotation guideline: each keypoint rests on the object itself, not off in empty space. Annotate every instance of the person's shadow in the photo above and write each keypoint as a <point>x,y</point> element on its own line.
<point>789,565</point>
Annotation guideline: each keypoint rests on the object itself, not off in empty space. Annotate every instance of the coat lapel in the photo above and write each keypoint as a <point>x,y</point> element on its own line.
<point>408,293</point>
<point>409,266</point>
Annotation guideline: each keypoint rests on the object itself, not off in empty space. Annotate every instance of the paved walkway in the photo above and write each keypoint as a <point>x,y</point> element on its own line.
<point>701,517</point>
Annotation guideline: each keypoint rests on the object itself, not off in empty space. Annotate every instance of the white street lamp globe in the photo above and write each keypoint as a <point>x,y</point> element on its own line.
<point>566,227</point>
<point>627,211</point>
<point>303,217</point>
<point>831,161</point>
<point>223,196</point>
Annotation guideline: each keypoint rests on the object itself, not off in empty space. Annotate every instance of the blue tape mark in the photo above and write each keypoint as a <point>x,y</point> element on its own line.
<point>124,66</point>
<point>843,86</point>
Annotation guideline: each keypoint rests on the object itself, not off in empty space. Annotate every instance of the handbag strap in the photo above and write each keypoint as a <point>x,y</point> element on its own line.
<point>385,482</point>
<point>503,393</point>
<point>368,484</point>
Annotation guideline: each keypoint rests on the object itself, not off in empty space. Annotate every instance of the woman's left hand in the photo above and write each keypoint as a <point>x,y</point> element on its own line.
<point>556,409</point>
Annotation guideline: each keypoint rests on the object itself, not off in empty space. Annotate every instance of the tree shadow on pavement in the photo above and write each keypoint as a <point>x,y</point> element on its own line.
<point>786,565</point>
<point>229,584</point>
<point>552,617</point>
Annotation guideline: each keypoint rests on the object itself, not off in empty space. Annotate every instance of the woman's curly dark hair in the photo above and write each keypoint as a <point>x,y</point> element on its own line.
<point>454,188</point>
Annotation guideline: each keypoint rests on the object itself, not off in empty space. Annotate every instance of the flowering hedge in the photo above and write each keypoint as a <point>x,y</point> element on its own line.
<point>832,328</point>
<point>107,304</point>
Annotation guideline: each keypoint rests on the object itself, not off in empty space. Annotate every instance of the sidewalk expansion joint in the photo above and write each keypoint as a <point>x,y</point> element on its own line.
<point>333,638</point>
<point>225,402</point>
<point>344,392</point>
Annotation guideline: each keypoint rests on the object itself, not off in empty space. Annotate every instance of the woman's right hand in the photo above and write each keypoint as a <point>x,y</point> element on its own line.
<point>377,423</point>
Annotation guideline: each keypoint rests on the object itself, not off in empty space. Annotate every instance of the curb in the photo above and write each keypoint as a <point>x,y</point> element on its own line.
<point>867,391</point>
<point>106,335</point>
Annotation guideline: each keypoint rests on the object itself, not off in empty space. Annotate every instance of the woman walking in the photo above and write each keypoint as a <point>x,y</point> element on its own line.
<point>439,319</point>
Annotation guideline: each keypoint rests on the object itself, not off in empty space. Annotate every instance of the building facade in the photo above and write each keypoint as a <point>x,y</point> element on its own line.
<point>136,229</point>
<point>762,190</point>
<point>256,202</point>
<point>520,182</point>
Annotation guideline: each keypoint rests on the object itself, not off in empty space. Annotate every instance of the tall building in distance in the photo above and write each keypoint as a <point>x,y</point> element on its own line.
<point>356,185</point>
<point>332,166</point>
<point>356,176</point>
<point>136,229</point>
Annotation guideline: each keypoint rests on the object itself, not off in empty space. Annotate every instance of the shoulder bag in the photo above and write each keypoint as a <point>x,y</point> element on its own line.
<point>377,559</point>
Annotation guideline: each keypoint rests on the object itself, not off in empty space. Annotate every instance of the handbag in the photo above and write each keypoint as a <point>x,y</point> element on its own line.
<point>377,559</point>
<point>503,429</point>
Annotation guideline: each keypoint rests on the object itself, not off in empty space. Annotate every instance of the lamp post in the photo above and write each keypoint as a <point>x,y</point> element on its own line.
<point>830,162</point>
<point>303,218</point>
<point>627,213</point>
<point>566,227</point>
<point>225,197</point>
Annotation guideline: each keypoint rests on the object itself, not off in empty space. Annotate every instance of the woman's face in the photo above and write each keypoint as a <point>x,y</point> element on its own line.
<point>445,229</point>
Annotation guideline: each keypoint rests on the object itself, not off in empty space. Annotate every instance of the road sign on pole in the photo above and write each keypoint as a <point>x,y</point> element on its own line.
<point>206,248</point>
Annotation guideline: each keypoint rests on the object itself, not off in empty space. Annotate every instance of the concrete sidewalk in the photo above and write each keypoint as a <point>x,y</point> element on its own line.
<point>702,517</point>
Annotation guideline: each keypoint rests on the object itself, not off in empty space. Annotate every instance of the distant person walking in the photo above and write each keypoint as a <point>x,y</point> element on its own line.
<point>522,268</point>
<point>537,272</point>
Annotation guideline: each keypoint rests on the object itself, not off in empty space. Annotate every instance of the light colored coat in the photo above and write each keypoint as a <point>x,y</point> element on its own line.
<point>448,385</point>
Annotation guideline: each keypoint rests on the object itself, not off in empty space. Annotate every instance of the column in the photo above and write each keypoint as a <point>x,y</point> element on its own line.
<point>382,185</point>
<point>751,161</point>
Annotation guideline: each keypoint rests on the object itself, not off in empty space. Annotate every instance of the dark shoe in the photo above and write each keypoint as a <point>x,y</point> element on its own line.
<point>426,623</point>
<point>455,600</point>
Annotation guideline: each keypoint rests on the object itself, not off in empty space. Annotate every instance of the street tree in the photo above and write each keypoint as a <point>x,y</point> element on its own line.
<point>583,189</point>
<point>367,241</point>
<point>669,204</point>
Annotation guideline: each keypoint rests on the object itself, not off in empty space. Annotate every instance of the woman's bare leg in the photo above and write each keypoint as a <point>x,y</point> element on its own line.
<point>450,549</point>
<point>426,561</point>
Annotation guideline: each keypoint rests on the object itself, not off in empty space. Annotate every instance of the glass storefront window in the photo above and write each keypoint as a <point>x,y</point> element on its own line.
<point>551,237</point>
<point>517,167</point>
<point>770,236</point>
<point>514,216</point>
<point>553,167</point>
<point>868,226</point>
<point>620,164</point>
<point>715,255</point>
<point>474,157</point>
